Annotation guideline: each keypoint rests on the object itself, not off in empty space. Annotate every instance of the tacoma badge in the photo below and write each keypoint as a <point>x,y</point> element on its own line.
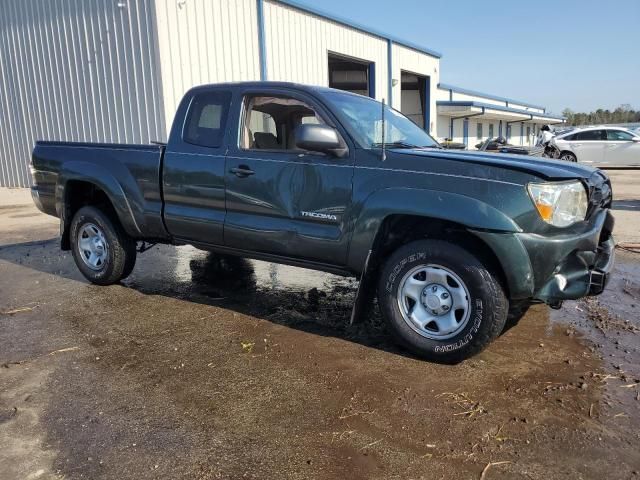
<point>324,216</point>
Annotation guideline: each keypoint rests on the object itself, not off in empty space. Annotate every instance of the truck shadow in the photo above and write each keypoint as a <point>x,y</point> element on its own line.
<point>310,301</point>
<point>305,300</point>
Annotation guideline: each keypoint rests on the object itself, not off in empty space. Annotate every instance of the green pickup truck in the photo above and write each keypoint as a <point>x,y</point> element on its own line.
<point>451,241</point>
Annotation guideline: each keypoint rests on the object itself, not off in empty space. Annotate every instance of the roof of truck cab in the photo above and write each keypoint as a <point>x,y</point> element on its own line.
<point>259,84</point>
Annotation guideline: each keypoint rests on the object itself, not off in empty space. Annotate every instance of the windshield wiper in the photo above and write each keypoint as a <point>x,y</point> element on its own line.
<point>395,145</point>
<point>405,145</point>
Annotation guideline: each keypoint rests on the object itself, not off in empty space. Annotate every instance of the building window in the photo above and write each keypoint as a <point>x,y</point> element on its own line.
<point>528,134</point>
<point>491,130</point>
<point>352,74</point>
<point>479,131</point>
<point>508,131</point>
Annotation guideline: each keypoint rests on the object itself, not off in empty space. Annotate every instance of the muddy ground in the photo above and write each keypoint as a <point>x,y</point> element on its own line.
<point>205,367</point>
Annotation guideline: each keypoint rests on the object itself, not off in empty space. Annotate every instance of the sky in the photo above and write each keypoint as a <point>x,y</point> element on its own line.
<point>577,54</point>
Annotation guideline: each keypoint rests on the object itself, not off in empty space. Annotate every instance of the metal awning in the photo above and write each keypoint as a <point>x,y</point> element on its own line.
<point>462,109</point>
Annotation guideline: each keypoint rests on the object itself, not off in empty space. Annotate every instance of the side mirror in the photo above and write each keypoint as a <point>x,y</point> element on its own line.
<point>635,139</point>
<point>318,138</point>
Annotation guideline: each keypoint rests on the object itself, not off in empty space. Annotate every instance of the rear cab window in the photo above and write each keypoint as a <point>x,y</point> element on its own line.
<point>207,119</point>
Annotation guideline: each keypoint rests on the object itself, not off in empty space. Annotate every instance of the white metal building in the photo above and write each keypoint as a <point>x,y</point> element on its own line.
<point>470,117</point>
<point>115,70</point>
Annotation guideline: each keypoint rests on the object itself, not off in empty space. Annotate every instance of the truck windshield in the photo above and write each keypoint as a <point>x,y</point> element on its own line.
<point>364,117</point>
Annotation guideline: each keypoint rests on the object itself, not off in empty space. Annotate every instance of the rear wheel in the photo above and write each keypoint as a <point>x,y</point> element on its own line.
<point>103,252</point>
<point>440,301</point>
<point>568,157</point>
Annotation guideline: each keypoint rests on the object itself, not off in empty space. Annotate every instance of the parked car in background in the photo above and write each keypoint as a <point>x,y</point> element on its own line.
<point>600,146</point>
<point>500,145</point>
<point>451,145</point>
<point>491,144</point>
<point>562,131</point>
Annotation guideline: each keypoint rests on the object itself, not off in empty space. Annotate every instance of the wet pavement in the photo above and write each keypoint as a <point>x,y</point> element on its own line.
<point>203,366</point>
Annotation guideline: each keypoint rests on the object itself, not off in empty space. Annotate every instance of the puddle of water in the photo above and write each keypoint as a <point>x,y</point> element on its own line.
<point>611,324</point>
<point>187,268</point>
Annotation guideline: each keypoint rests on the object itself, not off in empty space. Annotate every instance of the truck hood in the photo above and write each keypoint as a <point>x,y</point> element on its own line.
<point>542,167</point>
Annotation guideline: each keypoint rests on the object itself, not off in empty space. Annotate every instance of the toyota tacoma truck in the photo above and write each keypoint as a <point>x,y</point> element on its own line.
<point>451,241</point>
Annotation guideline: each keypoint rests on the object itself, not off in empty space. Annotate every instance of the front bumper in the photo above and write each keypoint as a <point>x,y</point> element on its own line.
<point>582,265</point>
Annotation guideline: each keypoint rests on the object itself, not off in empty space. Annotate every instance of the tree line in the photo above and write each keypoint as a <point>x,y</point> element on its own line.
<point>622,114</point>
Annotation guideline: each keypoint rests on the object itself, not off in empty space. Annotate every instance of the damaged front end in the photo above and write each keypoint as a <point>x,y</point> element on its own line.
<point>581,273</point>
<point>583,261</point>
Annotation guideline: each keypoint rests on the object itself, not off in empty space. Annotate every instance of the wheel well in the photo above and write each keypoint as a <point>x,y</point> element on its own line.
<point>78,194</point>
<point>397,230</point>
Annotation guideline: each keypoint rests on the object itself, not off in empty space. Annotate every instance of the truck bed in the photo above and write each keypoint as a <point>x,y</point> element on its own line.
<point>130,175</point>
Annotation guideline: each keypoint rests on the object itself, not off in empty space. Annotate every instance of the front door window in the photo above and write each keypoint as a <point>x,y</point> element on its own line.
<point>271,121</point>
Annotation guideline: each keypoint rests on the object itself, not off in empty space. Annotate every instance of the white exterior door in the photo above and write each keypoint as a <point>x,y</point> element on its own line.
<point>621,149</point>
<point>589,146</point>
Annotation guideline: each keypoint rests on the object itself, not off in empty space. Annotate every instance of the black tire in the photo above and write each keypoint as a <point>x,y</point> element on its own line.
<point>121,249</point>
<point>487,303</point>
<point>130,263</point>
<point>568,157</point>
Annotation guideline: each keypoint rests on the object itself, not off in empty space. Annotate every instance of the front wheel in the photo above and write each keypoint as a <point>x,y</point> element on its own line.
<point>568,157</point>
<point>440,301</point>
<point>103,252</point>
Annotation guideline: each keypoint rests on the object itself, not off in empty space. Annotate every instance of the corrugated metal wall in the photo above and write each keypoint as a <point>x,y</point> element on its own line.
<point>115,70</point>
<point>205,41</point>
<point>84,70</point>
<point>298,44</point>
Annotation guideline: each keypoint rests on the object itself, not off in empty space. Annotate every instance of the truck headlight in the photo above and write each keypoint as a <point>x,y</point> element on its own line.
<point>560,203</point>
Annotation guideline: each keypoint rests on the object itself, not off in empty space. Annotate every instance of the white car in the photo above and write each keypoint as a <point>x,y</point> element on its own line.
<point>600,146</point>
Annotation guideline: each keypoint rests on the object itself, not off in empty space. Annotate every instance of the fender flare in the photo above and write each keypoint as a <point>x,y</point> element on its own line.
<point>127,202</point>
<point>487,223</point>
<point>470,212</point>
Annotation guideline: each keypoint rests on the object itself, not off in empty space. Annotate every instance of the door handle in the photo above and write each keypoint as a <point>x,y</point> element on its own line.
<point>242,171</point>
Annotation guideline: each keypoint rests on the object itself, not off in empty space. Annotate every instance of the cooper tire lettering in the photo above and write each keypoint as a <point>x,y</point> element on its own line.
<point>488,303</point>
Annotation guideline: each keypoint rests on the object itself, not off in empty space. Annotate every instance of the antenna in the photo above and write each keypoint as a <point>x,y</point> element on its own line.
<point>384,152</point>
